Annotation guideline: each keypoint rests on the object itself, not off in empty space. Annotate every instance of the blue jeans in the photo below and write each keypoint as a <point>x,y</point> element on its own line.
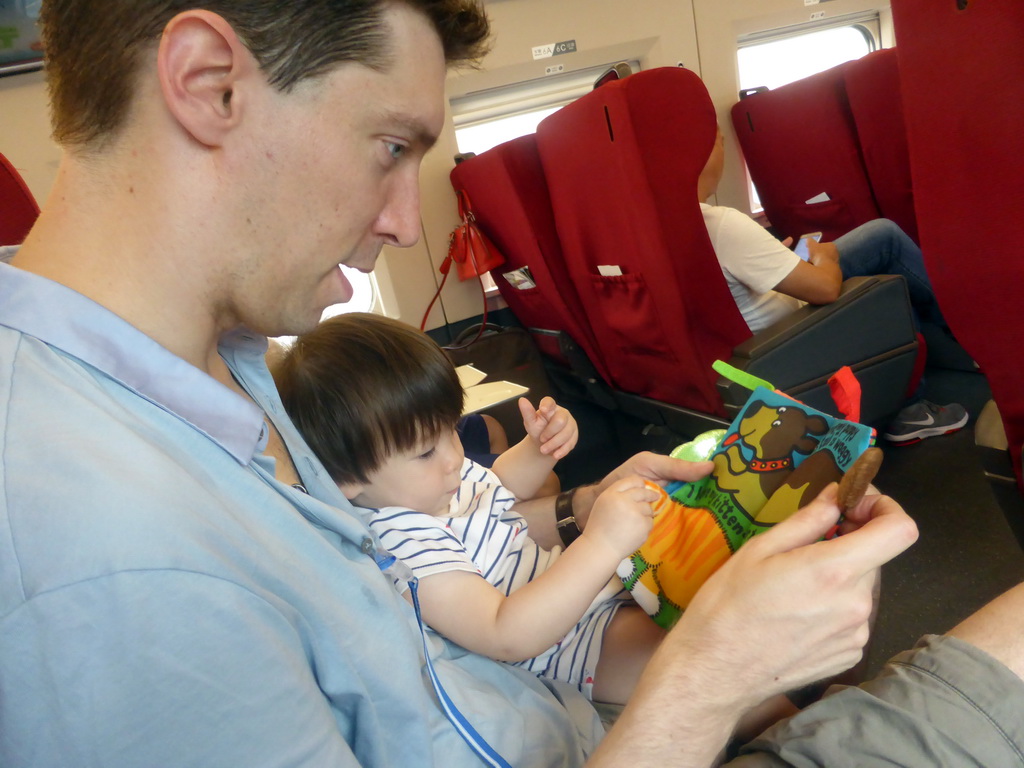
<point>880,247</point>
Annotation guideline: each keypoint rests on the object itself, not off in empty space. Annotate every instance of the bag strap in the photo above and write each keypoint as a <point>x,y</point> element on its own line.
<point>483,321</point>
<point>437,295</point>
<point>465,210</point>
<point>468,220</point>
<point>475,331</point>
<point>392,566</point>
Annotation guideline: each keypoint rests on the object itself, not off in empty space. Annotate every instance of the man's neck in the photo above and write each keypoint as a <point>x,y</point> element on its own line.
<point>105,242</point>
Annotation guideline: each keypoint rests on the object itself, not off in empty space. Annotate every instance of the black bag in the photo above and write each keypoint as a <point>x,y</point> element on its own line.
<point>504,354</point>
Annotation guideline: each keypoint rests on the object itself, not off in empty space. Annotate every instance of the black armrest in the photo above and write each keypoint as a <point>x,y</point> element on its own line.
<point>993,450</point>
<point>870,328</point>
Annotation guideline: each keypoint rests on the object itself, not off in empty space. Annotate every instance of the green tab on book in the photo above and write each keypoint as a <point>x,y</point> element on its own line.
<point>742,378</point>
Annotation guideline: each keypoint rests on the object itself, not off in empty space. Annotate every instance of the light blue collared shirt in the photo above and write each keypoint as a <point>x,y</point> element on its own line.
<point>165,601</point>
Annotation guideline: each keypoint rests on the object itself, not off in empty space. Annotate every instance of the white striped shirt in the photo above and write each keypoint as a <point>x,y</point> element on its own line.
<point>485,535</point>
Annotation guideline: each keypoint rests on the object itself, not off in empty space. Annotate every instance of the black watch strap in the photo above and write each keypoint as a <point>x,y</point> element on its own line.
<point>565,521</point>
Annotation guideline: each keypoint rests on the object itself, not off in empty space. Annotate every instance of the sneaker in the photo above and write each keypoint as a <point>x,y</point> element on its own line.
<point>924,419</point>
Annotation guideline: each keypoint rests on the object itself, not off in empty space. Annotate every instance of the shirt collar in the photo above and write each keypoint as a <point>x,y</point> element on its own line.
<point>84,330</point>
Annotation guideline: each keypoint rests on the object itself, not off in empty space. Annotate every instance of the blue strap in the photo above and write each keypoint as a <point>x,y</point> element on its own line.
<point>391,565</point>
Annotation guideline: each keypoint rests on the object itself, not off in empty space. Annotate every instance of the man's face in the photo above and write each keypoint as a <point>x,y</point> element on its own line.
<point>333,176</point>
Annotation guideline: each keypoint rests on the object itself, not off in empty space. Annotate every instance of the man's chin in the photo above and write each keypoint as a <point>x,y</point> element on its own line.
<point>292,325</point>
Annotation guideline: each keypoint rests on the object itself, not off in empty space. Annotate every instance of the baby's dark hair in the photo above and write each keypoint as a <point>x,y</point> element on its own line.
<point>362,387</point>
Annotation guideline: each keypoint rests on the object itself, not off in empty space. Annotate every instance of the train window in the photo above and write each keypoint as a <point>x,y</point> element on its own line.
<point>482,136</point>
<point>782,56</point>
<point>484,119</point>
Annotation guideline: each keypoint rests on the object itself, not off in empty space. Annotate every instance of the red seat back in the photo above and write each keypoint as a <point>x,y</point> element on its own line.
<point>876,103</point>
<point>621,165</point>
<point>800,141</point>
<point>510,200</point>
<point>964,108</point>
<point>18,208</point>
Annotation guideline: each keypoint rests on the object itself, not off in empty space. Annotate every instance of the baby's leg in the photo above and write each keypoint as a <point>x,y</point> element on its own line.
<point>629,642</point>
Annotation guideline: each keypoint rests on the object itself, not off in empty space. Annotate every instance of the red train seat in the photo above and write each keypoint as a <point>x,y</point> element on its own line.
<point>621,165</point>
<point>828,152</point>
<point>963,115</point>
<point>511,203</point>
<point>18,208</point>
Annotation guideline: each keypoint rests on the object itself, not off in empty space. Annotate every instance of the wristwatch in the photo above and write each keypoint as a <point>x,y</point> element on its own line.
<point>565,521</point>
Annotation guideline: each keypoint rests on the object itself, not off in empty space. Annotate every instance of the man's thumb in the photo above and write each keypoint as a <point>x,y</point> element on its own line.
<point>807,525</point>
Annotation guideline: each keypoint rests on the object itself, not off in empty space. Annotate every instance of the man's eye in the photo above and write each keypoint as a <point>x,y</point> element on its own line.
<point>395,150</point>
<point>428,454</point>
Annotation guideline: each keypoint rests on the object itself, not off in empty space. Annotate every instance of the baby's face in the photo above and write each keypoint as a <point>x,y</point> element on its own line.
<point>423,479</point>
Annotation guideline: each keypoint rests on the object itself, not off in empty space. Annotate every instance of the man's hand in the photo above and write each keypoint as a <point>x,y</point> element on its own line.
<point>818,280</point>
<point>656,467</point>
<point>788,609</point>
<point>822,253</point>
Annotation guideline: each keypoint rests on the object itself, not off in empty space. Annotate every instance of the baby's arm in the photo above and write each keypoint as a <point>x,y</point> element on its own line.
<point>551,432</point>
<point>467,609</point>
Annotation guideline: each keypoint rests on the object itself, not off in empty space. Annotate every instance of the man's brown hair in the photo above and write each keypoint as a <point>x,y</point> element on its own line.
<point>362,387</point>
<point>93,47</point>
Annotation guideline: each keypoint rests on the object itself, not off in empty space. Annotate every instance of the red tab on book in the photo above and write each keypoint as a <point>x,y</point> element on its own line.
<point>845,391</point>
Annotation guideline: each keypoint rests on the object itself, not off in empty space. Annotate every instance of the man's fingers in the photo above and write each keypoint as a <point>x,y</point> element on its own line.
<point>662,469</point>
<point>629,483</point>
<point>860,513</point>
<point>803,527</point>
<point>887,532</point>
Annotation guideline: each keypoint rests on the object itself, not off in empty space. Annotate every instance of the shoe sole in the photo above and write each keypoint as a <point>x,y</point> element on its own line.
<point>923,434</point>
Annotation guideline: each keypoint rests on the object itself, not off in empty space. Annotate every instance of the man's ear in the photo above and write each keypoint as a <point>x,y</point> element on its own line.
<point>201,63</point>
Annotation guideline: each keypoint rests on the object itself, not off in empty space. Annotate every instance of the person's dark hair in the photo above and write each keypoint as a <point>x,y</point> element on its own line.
<point>362,387</point>
<point>92,47</point>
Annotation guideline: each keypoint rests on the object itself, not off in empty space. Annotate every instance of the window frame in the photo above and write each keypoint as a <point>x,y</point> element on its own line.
<point>524,97</point>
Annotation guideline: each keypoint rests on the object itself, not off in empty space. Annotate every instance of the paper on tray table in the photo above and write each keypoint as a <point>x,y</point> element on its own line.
<point>469,376</point>
<point>493,392</point>
<point>480,396</point>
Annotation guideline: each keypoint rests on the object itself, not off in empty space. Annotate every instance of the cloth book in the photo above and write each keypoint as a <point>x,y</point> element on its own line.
<point>774,458</point>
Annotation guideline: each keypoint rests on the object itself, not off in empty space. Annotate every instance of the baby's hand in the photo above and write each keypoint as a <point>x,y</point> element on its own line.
<point>550,426</point>
<point>622,516</point>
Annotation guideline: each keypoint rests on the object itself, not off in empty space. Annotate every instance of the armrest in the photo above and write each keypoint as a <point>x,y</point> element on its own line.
<point>870,328</point>
<point>993,450</point>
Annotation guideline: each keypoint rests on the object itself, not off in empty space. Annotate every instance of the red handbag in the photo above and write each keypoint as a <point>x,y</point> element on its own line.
<point>471,250</point>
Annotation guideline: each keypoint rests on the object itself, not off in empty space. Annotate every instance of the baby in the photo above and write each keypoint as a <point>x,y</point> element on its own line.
<point>379,401</point>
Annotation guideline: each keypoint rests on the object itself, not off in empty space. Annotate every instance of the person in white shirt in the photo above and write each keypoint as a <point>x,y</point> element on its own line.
<point>769,281</point>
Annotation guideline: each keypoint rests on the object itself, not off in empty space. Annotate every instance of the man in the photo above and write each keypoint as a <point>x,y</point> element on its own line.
<point>180,582</point>
<point>769,281</point>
